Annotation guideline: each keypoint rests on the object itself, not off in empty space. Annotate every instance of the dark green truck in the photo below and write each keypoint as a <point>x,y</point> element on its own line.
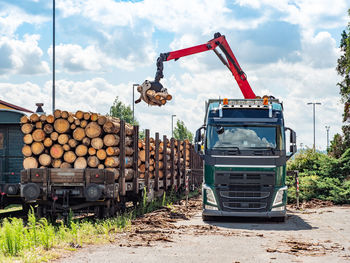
<point>245,149</point>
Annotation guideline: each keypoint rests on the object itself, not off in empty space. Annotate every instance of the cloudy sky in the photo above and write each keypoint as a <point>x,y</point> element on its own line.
<point>288,48</point>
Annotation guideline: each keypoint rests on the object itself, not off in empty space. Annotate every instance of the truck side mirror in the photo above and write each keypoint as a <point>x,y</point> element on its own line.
<point>198,140</point>
<point>293,137</point>
<point>198,137</point>
<point>293,143</point>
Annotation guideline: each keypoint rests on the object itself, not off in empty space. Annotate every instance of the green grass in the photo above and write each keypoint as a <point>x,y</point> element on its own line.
<point>39,240</point>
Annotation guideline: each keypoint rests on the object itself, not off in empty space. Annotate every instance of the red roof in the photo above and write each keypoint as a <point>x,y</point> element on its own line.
<point>14,106</point>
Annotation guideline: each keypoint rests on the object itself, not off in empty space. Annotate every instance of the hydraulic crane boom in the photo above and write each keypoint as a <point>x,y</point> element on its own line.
<point>230,62</point>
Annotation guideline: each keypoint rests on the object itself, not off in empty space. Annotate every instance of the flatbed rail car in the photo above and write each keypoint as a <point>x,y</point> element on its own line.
<point>57,190</point>
<point>10,157</point>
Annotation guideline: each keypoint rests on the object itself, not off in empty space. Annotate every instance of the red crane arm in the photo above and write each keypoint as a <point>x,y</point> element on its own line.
<point>230,61</point>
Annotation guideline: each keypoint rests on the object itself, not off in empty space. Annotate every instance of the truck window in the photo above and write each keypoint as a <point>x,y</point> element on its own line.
<point>243,137</point>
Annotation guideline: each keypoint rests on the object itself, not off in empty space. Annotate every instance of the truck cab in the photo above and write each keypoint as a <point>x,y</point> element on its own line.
<point>243,146</point>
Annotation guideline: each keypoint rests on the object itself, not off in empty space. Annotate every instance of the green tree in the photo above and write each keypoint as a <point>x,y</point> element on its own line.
<point>181,132</point>
<point>341,142</point>
<point>122,111</point>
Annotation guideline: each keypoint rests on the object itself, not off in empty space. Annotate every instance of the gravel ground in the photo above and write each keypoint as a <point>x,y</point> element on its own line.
<point>174,235</point>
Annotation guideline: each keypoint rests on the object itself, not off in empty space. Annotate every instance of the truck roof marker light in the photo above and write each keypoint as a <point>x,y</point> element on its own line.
<point>266,101</point>
<point>225,101</point>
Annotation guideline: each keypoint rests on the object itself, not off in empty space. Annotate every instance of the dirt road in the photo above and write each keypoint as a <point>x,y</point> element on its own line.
<point>313,235</point>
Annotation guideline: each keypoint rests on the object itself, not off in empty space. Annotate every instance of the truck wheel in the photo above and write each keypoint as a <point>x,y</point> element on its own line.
<point>280,219</point>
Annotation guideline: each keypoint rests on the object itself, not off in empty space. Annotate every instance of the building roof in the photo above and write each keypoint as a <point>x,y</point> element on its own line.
<point>14,107</point>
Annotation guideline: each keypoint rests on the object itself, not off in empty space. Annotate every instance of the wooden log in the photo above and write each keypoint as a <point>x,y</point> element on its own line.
<point>94,117</point>
<point>48,129</point>
<point>65,165</point>
<point>27,128</point>
<point>97,143</point>
<point>80,163</point>
<point>101,120</point>
<point>81,150</point>
<point>86,116</point>
<point>63,139</point>
<point>129,161</point>
<point>129,129</point>
<point>77,122</point>
<point>142,168</point>
<point>151,168</point>
<point>101,166</point>
<point>56,163</point>
<point>56,151</point>
<point>34,117</point>
<point>83,123</point>
<point>128,141</point>
<point>79,115</point>
<point>30,162</point>
<point>111,140</point>
<point>111,126</point>
<point>111,161</point>
<point>38,125</point>
<point>129,151</point>
<point>78,134</point>
<point>50,119</point>
<point>61,125</point>
<point>28,139</point>
<point>142,176</point>
<point>54,136</point>
<point>47,142</point>
<point>73,126</point>
<point>160,174</point>
<point>112,151</point>
<point>66,147</point>
<point>65,115</point>
<point>57,114</point>
<point>26,151</point>
<point>71,118</point>
<point>129,174</point>
<point>91,151</point>
<point>45,159</point>
<point>69,157</point>
<point>93,130</point>
<point>93,161</point>
<point>142,155</point>
<point>101,154</point>
<point>42,117</point>
<point>24,119</point>
<point>86,141</point>
<point>72,143</point>
<point>37,148</point>
<point>38,135</point>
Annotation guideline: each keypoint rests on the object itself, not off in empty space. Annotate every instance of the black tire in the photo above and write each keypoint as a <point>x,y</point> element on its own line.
<point>279,219</point>
<point>208,218</point>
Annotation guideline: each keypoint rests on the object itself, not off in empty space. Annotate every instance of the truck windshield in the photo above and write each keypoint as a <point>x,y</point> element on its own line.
<point>243,137</point>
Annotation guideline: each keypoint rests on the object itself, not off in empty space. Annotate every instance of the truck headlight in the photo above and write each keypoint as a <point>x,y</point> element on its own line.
<point>279,196</point>
<point>209,195</point>
<point>210,207</point>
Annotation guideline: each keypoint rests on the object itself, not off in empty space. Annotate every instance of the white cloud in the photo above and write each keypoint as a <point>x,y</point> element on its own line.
<point>21,56</point>
<point>12,17</point>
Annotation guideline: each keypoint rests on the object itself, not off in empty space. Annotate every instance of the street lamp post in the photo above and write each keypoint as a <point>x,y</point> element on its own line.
<point>314,105</point>
<point>172,125</point>
<point>133,101</point>
<point>327,129</point>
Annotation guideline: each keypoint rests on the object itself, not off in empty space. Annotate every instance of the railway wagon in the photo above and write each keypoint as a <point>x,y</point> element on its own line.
<point>57,191</point>
<point>11,158</point>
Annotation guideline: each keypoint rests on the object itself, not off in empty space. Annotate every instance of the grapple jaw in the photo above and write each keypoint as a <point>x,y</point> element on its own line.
<point>153,93</point>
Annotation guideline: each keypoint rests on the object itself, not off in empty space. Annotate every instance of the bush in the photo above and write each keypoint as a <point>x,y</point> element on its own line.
<point>320,176</point>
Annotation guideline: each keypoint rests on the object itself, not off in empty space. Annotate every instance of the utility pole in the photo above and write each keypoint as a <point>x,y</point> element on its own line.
<point>172,125</point>
<point>314,105</point>
<point>327,129</point>
<point>53,55</point>
<point>133,102</point>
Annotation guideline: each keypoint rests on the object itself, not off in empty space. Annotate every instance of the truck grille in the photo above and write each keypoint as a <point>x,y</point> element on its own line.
<point>244,191</point>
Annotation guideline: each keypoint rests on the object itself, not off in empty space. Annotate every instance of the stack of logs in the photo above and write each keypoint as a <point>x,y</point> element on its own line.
<point>163,160</point>
<point>156,98</point>
<point>84,139</point>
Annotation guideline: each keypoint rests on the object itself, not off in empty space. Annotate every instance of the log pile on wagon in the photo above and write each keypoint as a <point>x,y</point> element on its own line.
<point>90,140</point>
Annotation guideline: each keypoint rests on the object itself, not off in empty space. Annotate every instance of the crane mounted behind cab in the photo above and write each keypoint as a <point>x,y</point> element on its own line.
<point>230,62</point>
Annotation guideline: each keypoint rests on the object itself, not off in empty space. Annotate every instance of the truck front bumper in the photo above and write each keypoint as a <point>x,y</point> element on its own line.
<point>269,214</point>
